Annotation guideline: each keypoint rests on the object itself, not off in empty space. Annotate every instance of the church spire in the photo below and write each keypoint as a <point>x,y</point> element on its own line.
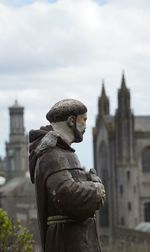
<point>124,121</point>
<point>123,83</point>
<point>16,103</point>
<point>123,96</point>
<point>103,102</point>
<point>103,93</point>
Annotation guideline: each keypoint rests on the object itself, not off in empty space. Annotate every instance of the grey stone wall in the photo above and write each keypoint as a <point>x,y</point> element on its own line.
<point>131,236</point>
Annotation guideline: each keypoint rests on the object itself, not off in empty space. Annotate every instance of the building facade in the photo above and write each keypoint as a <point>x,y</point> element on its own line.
<point>122,160</point>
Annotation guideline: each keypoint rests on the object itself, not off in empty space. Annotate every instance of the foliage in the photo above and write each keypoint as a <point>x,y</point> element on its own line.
<point>13,236</point>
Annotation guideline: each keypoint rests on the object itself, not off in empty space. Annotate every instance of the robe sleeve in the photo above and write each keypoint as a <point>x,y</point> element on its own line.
<point>75,199</point>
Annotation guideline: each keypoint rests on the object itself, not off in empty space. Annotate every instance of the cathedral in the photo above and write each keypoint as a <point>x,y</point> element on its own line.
<point>122,160</point>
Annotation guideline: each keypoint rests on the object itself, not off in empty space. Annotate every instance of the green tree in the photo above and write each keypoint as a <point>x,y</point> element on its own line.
<point>13,236</point>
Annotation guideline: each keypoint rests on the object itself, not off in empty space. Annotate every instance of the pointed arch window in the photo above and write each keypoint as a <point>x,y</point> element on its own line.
<point>146,160</point>
<point>103,162</point>
<point>104,212</point>
<point>147,212</point>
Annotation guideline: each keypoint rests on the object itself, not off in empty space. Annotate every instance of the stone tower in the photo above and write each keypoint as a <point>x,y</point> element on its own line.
<point>103,103</point>
<point>16,148</point>
<point>126,170</point>
<point>124,126</point>
<point>101,149</point>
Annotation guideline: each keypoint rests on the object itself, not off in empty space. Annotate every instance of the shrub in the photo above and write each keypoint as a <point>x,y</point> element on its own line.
<point>13,236</point>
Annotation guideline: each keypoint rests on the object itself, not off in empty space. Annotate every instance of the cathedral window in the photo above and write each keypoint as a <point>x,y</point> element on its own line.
<point>146,160</point>
<point>128,175</point>
<point>129,206</point>
<point>103,166</point>
<point>147,212</point>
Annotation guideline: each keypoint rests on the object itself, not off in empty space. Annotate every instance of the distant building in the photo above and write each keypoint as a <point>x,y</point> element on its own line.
<point>17,195</point>
<point>15,163</point>
<point>122,160</point>
<point>17,147</point>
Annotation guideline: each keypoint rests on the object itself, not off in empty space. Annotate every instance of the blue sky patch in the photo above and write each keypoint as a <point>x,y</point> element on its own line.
<point>24,2</point>
<point>52,1</point>
<point>102,2</point>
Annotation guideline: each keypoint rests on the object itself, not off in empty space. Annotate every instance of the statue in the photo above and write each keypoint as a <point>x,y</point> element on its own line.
<point>67,195</point>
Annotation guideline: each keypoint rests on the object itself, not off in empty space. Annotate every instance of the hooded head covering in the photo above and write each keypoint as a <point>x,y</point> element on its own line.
<point>35,137</point>
<point>41,140</point>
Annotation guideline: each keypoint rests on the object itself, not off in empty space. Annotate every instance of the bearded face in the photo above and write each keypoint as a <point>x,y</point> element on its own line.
<point>79,127</point>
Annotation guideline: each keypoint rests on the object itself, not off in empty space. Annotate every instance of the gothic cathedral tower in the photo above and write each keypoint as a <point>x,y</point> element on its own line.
<point>124,126</point>
<point>125,167</point>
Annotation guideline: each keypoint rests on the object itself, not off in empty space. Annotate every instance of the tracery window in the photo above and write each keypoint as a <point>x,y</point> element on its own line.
<point>129,206</point>
<point>121,189</point>
<point>147,212</point>
<point>146,160</point>
<point>104,212</point>
<point>128,175</point>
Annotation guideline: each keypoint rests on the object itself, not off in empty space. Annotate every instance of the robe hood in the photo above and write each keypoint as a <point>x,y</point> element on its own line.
<point>41,140</point>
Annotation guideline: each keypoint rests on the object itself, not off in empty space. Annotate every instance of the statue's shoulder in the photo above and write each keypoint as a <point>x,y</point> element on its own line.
<point>48,142</point>
<point>50,154</point>
<point>56,153</point>
<point>52,142</point>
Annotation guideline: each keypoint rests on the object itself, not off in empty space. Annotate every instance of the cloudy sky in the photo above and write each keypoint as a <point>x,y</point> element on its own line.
<point>51,50</point>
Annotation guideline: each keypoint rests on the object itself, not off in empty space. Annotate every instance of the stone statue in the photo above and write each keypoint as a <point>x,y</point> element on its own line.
<point>67,195</point>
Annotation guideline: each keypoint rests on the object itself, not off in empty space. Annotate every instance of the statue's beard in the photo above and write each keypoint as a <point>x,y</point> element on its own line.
<point>78,136</point>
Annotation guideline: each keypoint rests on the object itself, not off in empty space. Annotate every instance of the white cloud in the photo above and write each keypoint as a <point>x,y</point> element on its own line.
<point>53,51</point>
